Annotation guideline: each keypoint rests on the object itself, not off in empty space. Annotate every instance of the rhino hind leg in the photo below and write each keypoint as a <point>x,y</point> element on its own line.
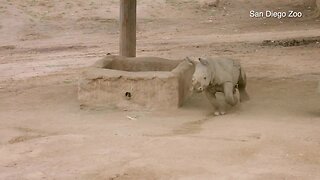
<point>244,96</point>
<point>231,95</point>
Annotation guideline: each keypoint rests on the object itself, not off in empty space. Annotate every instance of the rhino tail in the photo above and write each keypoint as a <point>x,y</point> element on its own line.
<point>242,84</point>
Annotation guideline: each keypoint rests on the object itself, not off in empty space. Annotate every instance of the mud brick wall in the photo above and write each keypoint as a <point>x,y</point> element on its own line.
<point>136,83</point>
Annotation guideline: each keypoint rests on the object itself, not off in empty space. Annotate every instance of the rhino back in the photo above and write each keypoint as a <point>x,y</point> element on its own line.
<point>224,70</point>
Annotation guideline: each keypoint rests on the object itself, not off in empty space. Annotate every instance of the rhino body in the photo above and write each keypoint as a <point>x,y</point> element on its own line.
<point>224,75</point>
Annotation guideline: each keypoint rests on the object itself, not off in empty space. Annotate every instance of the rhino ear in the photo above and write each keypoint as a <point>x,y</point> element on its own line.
<point>203,61</point>
<point>190,61</point>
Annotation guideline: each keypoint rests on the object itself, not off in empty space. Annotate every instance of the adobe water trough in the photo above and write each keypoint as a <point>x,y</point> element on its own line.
<point>140,83</point>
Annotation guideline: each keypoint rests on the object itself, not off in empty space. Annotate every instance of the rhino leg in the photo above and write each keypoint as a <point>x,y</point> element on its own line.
<point>231,96</point>
<point>242,86</point>
<point>213,100</point>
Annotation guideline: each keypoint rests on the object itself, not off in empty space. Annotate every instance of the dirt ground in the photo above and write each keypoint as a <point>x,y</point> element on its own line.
<point>45,135</point>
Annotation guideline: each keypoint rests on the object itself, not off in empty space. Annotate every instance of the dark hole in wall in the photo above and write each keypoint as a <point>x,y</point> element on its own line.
<point>128,95</point>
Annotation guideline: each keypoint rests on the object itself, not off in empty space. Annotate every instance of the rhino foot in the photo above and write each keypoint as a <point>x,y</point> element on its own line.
<point>218,113</point>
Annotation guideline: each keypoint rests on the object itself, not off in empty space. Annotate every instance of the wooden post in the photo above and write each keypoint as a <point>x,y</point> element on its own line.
<point>128,11</point>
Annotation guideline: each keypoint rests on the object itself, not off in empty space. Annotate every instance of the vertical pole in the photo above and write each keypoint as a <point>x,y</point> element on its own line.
<point>128,11</point>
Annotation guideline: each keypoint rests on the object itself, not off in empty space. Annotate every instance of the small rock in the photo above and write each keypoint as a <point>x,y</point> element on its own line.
<point>132,118</point>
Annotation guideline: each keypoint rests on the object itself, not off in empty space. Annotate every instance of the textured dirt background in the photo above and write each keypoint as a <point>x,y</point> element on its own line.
<point>45,135</point>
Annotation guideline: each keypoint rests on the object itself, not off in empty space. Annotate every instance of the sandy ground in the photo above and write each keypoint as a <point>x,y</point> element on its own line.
<point>45,135</point>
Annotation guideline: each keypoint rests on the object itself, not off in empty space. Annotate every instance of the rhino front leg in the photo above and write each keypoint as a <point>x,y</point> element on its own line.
<point>231,96</point>
<point>213,100</point>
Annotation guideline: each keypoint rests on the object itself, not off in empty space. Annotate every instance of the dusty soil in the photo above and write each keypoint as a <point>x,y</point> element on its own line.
<point>45,135</point>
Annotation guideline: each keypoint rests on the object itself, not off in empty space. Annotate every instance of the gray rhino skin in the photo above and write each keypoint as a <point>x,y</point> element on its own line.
<point>224,75</point>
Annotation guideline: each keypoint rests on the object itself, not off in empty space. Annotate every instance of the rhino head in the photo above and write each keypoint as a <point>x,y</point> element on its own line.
<point>202,75</point>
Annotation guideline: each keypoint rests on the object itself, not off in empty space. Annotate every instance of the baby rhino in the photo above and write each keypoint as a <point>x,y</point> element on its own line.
<point>224,75</point>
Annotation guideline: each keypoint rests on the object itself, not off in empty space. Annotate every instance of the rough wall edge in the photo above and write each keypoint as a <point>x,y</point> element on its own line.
<point>184,71</point>
<point>92,73</point>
